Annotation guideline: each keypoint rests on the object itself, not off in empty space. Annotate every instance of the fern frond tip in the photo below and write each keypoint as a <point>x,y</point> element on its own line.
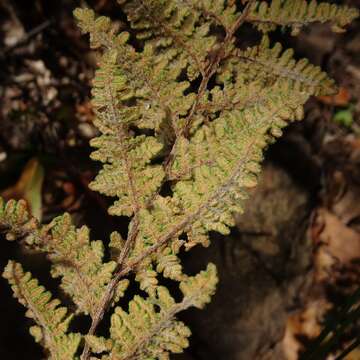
<point>52,321</point>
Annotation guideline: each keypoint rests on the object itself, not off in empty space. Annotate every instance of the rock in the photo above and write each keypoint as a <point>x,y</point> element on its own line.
<point>262,267</point>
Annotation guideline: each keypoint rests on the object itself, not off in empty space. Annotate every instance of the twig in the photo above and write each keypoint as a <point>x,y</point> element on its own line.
<point>36,30</point>
<point>349,349</point>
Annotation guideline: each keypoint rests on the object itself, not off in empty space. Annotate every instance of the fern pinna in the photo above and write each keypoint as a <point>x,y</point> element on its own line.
<point>184,107</point>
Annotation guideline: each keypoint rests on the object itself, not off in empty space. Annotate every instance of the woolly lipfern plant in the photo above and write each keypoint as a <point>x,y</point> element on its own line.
<point>178,105</point>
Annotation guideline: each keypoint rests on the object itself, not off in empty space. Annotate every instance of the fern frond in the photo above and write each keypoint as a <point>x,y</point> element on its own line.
<point>178,28</point>
<point>52,321</point>
<point>245,81</point>
<point>145,80</point>
<point>169,264</point>
<point>76,259</point>
<point>116,245</point>
<point>198,289</point>
<point>221,12</point>
<point>127,172</point>
<point>166,262</point>
<point>298,13</point>
<point>17,222</point>
<point>183,112</point>
<point>147,333</point>
<point>263,62</point>
<point>142,88</point>
<point>157,99</point>
<point>147,277</point>
<point>232,146</point>
<point>79,263</point>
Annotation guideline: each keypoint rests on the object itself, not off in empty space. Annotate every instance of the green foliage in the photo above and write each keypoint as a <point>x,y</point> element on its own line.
<point>298,13</point>
<point>16,221</point>
<point>184,117</point>
<point>268,63</point>
<point>52,321</point>
<point>79,263</point>
<point>344,117</point>
<point>76,259</point>
<point>147,333</point>
<point>127,173</point>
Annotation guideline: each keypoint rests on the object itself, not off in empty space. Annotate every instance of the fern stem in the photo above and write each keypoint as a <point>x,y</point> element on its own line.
<point>217,56</point>
<point>37,315</point>
<point>115,117</point>
<point>109,291</point>
<point>164,26</point>
<point>125,270</point>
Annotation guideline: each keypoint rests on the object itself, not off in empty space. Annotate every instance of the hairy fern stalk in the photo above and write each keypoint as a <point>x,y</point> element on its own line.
<point>183,107</point>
